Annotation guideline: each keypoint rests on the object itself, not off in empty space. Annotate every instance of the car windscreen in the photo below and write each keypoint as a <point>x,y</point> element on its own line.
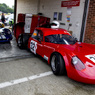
<point>60,39</point>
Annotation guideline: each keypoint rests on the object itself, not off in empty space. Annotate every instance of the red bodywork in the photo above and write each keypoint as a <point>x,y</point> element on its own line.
<point>78,49</point>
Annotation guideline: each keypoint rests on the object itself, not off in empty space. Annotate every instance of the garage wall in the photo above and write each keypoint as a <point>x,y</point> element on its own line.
<point>27,6</point>
<point>49,7</point>
<point>90,26</point>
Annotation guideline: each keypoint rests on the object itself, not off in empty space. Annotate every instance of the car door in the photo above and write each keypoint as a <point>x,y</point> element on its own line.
<point>40,43</point>
<point>36,42</point>
<point>48,47</point>
<point>32,44</point>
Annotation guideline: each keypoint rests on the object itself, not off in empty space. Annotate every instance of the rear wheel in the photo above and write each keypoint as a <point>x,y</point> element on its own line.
<point>23,41</point>
<point>20,42</point>
<point>57,64</point>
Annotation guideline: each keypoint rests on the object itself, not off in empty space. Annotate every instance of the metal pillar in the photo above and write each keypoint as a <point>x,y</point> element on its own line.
<point>15,10</point>
<point>86,7</point>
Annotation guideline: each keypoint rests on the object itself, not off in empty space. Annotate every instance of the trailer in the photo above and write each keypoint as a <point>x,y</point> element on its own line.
<point>26,24</point>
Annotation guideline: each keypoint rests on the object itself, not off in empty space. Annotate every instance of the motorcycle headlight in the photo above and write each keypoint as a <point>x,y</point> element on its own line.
<point>9,32</point>
<point>77,63</point>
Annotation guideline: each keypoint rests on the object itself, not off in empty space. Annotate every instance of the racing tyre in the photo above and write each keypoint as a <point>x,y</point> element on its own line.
<point>25,40</point>
<point>57,64</point>
<point>20,42</point>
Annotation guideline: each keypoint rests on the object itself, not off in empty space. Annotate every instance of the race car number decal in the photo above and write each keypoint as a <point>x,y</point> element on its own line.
<point>91,57</point>
<point>33,46</point>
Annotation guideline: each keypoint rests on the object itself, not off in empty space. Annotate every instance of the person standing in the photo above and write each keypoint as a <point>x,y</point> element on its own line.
<point>3,18</point>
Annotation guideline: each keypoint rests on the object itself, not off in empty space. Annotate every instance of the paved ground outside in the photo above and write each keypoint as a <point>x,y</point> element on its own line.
<point>16,71</point>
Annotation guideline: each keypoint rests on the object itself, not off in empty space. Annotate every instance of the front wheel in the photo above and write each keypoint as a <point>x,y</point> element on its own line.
<point>57,64</point>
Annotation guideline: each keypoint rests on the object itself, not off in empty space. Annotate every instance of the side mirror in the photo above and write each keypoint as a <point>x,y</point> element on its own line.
<point>76,39</point>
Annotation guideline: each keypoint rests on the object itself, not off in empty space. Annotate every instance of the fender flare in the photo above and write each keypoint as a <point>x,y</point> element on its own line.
<point>64,56</point>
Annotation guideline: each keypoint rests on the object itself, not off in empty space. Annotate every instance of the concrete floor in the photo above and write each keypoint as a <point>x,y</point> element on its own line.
<point>9,51</point>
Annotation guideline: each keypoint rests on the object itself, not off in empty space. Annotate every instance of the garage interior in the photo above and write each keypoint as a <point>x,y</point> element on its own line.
<point>55,11</point>
<point>49,9</point>
<point>82,17</point>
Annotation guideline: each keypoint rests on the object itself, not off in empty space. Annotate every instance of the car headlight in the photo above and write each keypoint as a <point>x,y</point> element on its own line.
<point>77,63</point>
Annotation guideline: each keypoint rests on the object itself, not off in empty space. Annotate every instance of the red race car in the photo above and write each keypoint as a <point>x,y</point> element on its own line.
<point>64,53</point>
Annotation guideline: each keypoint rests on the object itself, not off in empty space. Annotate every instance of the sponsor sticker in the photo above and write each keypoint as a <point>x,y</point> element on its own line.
<point>91,57</point>
<point>33,46</point>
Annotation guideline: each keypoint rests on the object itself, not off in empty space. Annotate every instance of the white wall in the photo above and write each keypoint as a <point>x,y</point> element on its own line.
<point>48,7</point>
<point>27,6</point>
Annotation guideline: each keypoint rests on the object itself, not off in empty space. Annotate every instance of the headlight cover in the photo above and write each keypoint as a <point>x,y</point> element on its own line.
<point>77,63</point>
<point>9,32</point>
